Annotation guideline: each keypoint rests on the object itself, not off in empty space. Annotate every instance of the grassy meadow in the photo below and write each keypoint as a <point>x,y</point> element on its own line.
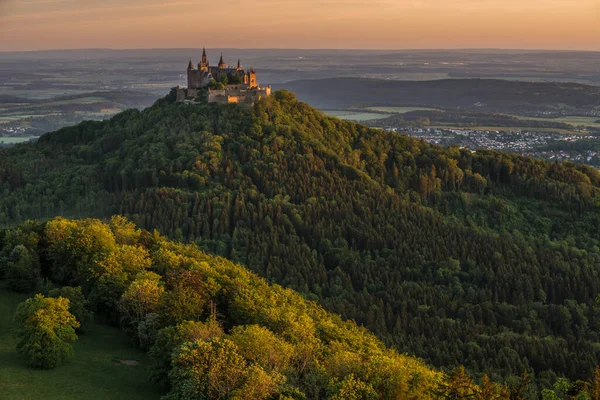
<point>401,110</point>
<point>355,115</point>
<point>95,371</point>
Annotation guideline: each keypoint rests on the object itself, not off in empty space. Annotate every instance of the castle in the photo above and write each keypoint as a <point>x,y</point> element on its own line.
<point>222,84</point>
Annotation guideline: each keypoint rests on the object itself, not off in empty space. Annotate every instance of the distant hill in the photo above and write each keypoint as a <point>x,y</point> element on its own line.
<point>484,259</point>
<point>472,94</point>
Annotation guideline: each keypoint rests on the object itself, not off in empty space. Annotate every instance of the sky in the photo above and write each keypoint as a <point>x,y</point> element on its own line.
<point>302,24</point>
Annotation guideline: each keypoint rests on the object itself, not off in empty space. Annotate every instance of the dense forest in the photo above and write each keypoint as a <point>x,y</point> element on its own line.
<point>213,329</point>
<point>485,259</point>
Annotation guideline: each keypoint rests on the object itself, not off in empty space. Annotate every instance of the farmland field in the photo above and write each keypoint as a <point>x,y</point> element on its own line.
<point>400,110</point>
<point>573,120</point>
<point>15,139</point>
<point>355,115</point>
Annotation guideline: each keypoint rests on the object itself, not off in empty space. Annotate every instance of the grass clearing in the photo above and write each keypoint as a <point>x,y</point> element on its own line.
<point>95,372</point>
<point>355,115</point>
<point>401,110</point>
<point>573,120</point>
<point>15,139</point>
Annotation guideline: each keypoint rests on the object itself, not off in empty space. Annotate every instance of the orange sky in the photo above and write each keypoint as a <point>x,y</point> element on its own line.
<point>359,24</point>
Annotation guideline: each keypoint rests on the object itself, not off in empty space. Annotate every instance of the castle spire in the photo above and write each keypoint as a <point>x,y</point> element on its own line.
<point>239,64</point>
<point>203,66</point>
<point>190,65</point>
<point>221,62</point>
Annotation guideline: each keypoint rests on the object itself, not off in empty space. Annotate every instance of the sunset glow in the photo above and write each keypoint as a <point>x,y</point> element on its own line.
<point>374,24</point>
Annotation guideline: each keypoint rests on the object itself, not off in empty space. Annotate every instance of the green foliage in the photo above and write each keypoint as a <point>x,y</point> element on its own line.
<point>246,339</point>
<point>78,305</point>
<point>141,298</point>
<point>46,329</point>
<point>484,259</point>
<point>262,347</point>
<point>105,295</point>
<point>94,372</point>
<point>457,386</point>
<point>207,370</point>
<point>171,338</point>
<point>22,270</point>
<point>351,388</point>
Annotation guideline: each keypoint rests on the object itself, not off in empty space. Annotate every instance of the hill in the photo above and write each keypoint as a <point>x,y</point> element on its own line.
<point>490,95</point>
<point>484,259</point>
<point>213,329</point>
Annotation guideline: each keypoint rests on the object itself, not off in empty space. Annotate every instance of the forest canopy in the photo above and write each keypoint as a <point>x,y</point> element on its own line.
<point>482,259</point>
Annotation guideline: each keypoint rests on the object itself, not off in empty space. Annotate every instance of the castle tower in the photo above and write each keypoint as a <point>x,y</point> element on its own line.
<point>192,76</point>
<point>251,78</point>
<point>222,64</point>
<point>203,66</point>
<point>239,67</point>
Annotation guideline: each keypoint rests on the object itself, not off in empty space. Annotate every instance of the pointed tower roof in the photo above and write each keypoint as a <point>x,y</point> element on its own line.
<point>221,62</point>
<point>204,51</point>
<point>190,65</point>
<point>239,64</point>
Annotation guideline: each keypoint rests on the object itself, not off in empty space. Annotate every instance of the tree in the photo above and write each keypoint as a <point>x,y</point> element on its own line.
<point>261,346</point>
<point>188,296</point>
<point>519,391</point>
<point>488,390</point>
<point>23,270</point>
<point>456,386</point>
<point>141,298</point>
<point>351,388</point>
<point>170,338</point>
<point>78,305</point>
<point>124,230</point>
<point>210,369</point>
<point>594,385</point>
<point>259,384</point>
<point>46,329</point>
<point>105,295</point>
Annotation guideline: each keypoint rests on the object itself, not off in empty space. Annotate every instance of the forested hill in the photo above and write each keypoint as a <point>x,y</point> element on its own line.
<point>212,329</point>
<point>475,94</point>
<point>484,259</point>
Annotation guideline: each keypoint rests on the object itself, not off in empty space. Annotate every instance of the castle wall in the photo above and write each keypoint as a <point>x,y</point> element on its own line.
<point>195,79</point>
<point>238,94</point>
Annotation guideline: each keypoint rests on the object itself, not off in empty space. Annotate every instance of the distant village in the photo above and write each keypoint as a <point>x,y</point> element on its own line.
<point>531,144</point>
<point>221,84</point>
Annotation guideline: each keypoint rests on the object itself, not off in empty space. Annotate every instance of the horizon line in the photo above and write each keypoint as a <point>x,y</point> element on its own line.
<point>310,49</point>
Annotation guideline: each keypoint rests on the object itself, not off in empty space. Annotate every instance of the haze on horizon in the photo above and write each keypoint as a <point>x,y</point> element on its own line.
<point>305,24</point>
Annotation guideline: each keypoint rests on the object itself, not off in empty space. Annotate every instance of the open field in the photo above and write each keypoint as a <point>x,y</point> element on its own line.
<point>401,110</point>
<point>15,139</point>
<point>509,129</point>
<point>355,115</point>
<point>573,120</point>
<point>93,373</point>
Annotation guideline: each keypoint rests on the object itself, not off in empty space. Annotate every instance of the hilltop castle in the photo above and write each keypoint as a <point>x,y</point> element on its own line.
<point>223,83</point>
